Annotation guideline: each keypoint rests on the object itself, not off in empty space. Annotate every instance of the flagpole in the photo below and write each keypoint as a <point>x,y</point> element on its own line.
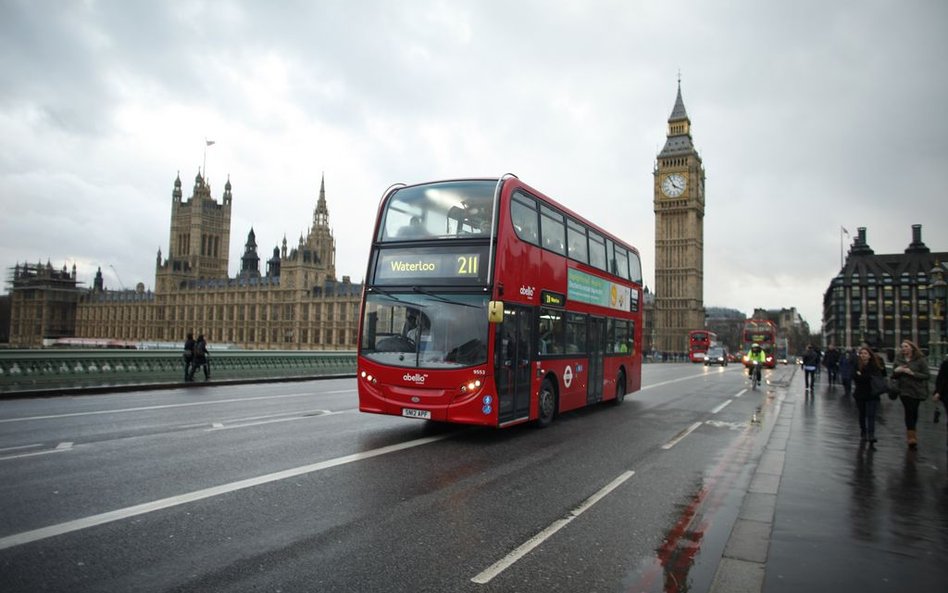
<point>842,230</point>
<point>204,165</point>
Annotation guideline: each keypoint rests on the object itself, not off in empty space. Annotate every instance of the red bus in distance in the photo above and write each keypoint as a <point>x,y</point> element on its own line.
<point>488,303</point>
<point>763,332</point>
<point>699,340</point>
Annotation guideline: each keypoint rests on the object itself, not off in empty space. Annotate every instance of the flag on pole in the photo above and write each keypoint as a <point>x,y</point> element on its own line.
<point>209,142</point>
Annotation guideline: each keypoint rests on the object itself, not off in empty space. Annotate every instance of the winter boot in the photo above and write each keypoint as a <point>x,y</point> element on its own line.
<point>912,440</point>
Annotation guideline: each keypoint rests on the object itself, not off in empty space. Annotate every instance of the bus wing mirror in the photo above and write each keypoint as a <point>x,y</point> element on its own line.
<point>495,311</point>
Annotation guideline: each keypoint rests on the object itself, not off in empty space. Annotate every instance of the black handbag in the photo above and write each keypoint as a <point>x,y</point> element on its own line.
<point>894,390</point>
<point>878,385</point>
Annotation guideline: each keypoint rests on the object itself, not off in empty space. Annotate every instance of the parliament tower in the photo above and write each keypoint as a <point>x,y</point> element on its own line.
<point>200,237</point>
<point>679,235</point>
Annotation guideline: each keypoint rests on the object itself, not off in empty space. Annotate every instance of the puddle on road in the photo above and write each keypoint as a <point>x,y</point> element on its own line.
<point>692,547</point>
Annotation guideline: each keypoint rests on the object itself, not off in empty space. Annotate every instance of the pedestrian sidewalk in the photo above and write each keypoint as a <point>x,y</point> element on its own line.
<point>827,512</point>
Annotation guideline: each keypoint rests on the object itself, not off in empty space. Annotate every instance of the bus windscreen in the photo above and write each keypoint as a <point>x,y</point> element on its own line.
<point>439,210</point>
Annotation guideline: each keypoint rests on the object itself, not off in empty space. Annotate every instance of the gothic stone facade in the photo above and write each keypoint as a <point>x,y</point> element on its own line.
<point>296,304</point>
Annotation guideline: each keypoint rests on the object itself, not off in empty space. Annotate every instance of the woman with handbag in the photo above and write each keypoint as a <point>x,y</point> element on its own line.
<point>868,384</point>
<point>911,372</point>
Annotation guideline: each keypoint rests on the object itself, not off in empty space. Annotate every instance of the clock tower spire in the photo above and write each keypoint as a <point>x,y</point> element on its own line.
<point>679,235</point>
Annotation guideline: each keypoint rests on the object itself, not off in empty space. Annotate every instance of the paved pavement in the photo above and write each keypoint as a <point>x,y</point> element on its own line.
<point>826,512</point>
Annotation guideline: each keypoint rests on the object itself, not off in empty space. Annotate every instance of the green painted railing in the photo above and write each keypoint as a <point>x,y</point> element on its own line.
<point>40,370</point>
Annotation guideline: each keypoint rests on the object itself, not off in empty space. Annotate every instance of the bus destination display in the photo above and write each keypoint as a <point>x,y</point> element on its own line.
<point>426,267</point>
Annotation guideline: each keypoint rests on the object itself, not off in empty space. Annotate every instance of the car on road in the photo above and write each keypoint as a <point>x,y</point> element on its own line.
<point>716,355</point>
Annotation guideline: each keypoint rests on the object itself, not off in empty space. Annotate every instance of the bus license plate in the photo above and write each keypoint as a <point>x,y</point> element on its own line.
<point>411,413</point>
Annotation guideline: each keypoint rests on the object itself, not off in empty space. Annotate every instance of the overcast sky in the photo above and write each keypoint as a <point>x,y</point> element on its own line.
<point>809,116</point>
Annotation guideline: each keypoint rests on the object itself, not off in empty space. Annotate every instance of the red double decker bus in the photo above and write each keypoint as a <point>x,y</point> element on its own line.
<point>488,303</point>
<point>699,340</point>
<point>763,332</point>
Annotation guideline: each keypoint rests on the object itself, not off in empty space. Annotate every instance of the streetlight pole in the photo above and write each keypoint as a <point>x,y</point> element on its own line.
<point>936,332</point>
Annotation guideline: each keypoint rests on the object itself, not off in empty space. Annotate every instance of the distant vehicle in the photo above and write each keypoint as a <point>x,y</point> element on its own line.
<point>781,352</point>
<point>699,340</point>
<point>764,333</point>
<point>716,355</point>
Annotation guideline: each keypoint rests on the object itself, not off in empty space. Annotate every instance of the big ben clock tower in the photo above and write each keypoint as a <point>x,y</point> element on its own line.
<point>679,235</point>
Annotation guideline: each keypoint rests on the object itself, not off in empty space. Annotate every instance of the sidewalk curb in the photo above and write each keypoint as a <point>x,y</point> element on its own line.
<point>744,560</point>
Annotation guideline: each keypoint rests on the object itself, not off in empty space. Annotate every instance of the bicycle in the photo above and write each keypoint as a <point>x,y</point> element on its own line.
<point>754,374</point>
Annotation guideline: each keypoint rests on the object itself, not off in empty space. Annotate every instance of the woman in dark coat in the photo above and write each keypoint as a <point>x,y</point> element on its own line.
<point>866,402</point>
<point>941,388</point>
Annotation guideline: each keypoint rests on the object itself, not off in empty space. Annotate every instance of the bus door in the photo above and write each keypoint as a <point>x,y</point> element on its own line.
<point>513,363</point>
<point>597,344</point>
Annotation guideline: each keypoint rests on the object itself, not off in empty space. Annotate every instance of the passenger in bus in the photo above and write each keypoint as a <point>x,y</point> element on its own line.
<point>416,325</point>
<point>410,329</point>
<point>414,230</point>
<point>546,336</point>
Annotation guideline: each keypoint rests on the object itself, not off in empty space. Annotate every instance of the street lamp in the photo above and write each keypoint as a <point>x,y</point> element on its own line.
<point>936,291</point>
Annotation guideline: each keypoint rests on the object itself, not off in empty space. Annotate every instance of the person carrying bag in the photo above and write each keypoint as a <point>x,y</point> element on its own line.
<point>868,385</point>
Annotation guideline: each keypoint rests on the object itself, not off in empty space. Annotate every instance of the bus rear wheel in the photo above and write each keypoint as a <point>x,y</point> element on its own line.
<point>620,389</point>
<point>547,404</point>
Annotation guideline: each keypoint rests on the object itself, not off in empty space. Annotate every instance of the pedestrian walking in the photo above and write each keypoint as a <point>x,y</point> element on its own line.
<point>831,362</point>
<point>811,362</point>
<point>188,355</point>
<point>911,373</point>
<point>847,366</point>
<point>201,358</point>
<point>867,398</point>
<point>941,390</point>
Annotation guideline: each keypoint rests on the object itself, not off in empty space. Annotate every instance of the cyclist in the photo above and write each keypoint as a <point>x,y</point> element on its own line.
<point>756,357</point>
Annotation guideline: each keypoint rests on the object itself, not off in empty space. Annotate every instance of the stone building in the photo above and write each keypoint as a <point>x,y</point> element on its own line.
<point>43,303</point>
<point>883,299</point>
<point>679,235</point>
<point>297,304</point>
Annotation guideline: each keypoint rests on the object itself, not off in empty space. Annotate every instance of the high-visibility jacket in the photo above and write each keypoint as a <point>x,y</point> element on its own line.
<point>760,356</point>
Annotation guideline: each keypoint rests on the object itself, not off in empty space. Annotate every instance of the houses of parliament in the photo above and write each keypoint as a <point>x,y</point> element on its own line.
<point>291,301</point>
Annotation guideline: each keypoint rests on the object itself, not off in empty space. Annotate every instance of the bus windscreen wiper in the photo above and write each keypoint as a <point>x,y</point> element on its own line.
<point>392,296</point>
<point>441,298</point>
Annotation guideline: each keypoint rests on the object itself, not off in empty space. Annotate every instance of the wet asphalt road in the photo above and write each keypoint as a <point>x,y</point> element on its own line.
<point>284,487</point>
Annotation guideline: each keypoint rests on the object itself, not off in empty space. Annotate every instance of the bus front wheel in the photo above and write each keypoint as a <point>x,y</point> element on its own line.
<point>547,403</point>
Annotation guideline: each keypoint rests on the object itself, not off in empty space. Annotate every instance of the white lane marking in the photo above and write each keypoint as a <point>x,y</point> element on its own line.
<point>60,448</point>
<point>20,447</point>
<point>721,407</point>
<point>26,537</point>
<point>741,392</point>
<point>507,561</point>
<point>681,435</point>
<point>244,424</point>
<point>670,381</point>
<point>165,406</point>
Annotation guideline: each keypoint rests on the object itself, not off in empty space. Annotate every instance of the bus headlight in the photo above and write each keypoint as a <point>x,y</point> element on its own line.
<point>471,386</point>
<point>367,377</point>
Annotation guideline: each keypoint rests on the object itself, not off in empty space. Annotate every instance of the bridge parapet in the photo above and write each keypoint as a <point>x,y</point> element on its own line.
<point>22,371</point>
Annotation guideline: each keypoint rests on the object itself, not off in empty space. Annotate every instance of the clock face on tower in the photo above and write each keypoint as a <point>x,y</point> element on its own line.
<point>674,185</point>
